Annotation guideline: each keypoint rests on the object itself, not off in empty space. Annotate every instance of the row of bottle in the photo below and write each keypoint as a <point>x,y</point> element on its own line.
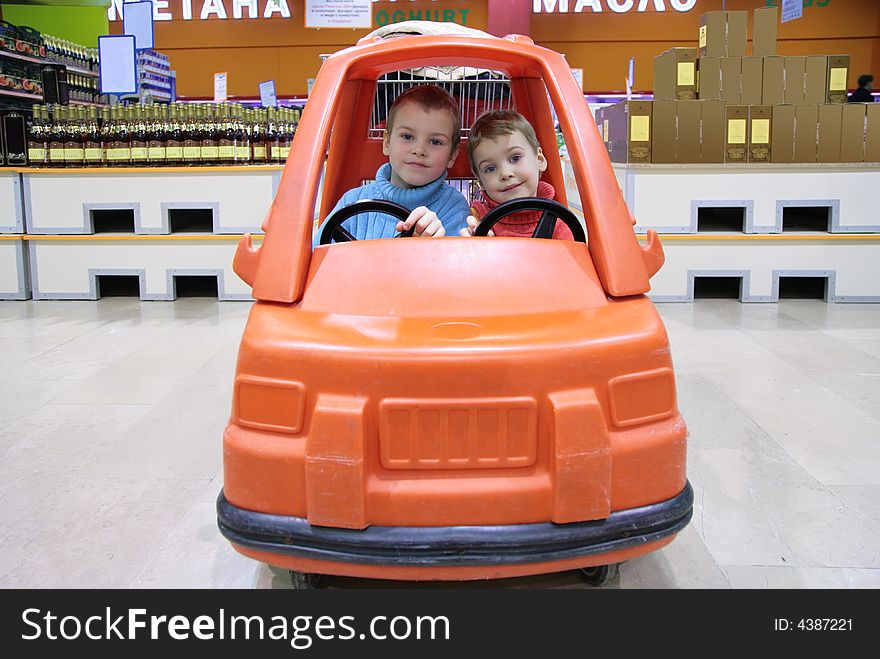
<point>160,135</point>
<point>70,54</point>
<point>85,89</point>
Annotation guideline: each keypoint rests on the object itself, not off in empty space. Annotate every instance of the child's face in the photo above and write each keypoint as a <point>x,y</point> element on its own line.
<point>508,167</point>
<point>419,146</point>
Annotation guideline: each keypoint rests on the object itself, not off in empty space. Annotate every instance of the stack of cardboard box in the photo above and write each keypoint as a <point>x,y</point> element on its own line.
<point>715,104</point>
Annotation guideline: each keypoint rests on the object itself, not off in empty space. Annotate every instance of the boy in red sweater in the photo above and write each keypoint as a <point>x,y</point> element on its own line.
<point>507,160</point>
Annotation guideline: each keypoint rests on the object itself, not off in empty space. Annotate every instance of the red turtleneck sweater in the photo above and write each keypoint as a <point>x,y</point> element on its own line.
<point>522,224</point>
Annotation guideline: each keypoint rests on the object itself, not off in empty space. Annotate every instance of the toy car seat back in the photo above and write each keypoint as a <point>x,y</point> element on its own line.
<point>278,270</point>
<point>353,156</point>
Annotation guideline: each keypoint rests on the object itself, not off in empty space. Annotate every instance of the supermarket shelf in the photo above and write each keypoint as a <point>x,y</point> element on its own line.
<point>128,237</point>
<point>11,94</point>
<point>772,237</point>
<point>39,97</point>
<point>82,72</point>
<point>147,170</point>
<point>23,58</point>
<point>37,60</point>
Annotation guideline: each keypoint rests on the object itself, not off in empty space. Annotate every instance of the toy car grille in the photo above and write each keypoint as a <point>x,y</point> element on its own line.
<point>458,434</point>
<point>477,91</point>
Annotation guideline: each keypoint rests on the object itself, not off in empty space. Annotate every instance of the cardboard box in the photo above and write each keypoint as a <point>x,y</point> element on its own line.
<point>830,116</point>
<point>736,140</point>
<point>687,141</point>
<point>713,34</point>
<point>795,68</point>
<point>731,80</point>
<point>782,134</point>
<point>709,78</point>
<point>816,80</point>
<point>737,33</point>
<point>629,131</point>
<point>872,132</point>
<point>852,132</point>
<point>773,85</point>
<point>760,133</point>
<point>618,131</point>
<point>838,75</point>
<point>713,119</point>
<point>764,21</point>
<point>675,74</point>
<point>663,120</point>
<point>806,125</point>
<point>639,131</point>
<point>602,125</point>
<point>752,80</point>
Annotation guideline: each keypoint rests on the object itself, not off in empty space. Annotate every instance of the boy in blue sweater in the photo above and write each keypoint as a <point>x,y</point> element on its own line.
<point>421,141</point>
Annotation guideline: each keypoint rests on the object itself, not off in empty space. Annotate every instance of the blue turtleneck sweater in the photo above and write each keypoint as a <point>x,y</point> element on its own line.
<point>447,202</point>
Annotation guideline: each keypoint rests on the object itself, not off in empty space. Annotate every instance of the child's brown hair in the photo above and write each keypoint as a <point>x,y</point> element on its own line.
<point>495,124</point>
<point>428,97</point>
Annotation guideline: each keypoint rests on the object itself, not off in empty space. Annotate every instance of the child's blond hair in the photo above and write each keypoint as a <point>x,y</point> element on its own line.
<point>495,124</point>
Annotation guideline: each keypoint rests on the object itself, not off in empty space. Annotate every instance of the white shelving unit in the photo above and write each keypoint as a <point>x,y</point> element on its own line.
<point>66,257</point>
<point>670,199</point>
<point>14,275</point>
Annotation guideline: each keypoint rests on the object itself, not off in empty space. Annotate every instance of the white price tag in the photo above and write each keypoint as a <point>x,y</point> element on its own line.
<point>219,87</point>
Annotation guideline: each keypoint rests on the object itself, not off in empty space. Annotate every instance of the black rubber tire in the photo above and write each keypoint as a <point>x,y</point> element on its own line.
<point>304,580</point>
<point>600,575</point>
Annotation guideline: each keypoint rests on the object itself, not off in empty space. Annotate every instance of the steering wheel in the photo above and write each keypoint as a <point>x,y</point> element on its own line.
<point>332,228</point>
<point>550,211</point>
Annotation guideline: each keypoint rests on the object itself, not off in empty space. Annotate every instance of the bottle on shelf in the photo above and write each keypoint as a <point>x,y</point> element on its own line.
<point>56,138</point>
<point>120,151</point>
<point>174,137</point>
<point>285,137</point>
<point>226,143</point>
<point>93,148</point>
<point>210,135</point>
<point>243,147</point>
<point>258,136</point>
<point>38,137</point>
<point>156,139</point>
<point>273,136</point>
<point>192,139</point>
<point>134,114</point>
<point>106,135</point>
<point>73,138</point>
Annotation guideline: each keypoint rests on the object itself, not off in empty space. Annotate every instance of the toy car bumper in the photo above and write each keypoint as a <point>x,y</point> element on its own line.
<point>455,546</point>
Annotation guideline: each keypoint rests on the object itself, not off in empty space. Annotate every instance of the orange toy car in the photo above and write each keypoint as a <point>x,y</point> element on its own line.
<point>510,411</point>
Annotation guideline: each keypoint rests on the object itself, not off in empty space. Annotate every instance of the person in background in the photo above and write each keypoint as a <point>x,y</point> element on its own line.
<point>507,159</point>
<point>863,93</point>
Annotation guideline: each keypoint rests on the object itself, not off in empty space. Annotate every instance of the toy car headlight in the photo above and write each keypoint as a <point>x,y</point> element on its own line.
<point>267,404</point>
<point>643,397</point>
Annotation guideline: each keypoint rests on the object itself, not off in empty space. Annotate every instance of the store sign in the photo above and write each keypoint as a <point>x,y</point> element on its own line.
<point>791,9</point>
<point>617,6</point>
<point>188,10</point>
<point>421,12</point>
<point>338,13</point>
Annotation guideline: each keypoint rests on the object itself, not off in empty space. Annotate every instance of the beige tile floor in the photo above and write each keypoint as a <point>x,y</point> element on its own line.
<point>112,413</point>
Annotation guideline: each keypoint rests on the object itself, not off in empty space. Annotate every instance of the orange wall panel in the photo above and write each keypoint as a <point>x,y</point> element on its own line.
<point>602,43</point>
<point>253,50</point>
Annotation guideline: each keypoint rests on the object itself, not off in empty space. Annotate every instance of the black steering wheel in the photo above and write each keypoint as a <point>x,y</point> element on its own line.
<point>550,211</point>
<point>332,228</point>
